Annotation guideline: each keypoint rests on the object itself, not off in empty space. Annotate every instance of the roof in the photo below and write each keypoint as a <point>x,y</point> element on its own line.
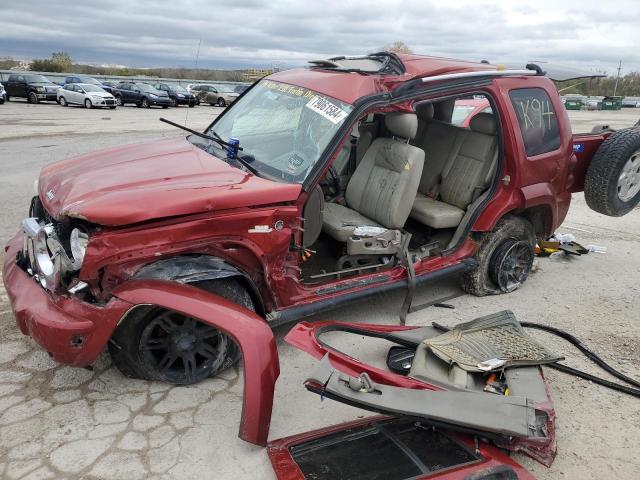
<point>349,86</point>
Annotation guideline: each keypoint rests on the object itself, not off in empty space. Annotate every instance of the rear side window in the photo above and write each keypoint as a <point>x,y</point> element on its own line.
<point>537,119</point>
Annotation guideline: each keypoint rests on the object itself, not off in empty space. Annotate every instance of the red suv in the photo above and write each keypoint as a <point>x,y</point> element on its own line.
<point>317,187</point>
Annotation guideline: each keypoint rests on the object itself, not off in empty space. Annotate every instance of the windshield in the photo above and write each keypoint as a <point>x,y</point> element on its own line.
<point>143,87</point>
<point>284,127</point>
<point>225,89</point>
<point>179,89</point>
<point>36,79</point>
<point>89,80</point>
<point>91,88</point>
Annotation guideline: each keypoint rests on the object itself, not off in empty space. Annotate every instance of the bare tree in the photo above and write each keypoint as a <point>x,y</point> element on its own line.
<point>397,47</point>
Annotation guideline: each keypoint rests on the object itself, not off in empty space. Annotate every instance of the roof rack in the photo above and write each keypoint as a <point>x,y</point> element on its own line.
<point>481,73</point>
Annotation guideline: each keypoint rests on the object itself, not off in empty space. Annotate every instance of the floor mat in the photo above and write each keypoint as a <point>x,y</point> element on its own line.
<point>490,343</point>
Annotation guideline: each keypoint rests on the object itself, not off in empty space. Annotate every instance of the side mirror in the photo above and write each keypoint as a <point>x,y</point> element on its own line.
<point>137,91</point>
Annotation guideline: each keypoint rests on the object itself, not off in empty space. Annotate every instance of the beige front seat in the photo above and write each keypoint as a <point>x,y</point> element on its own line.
<point>382,190</point>
<point>467,175</point>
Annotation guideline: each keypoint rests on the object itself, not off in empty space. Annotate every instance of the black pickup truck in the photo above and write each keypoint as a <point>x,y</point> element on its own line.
<point>35,88</point>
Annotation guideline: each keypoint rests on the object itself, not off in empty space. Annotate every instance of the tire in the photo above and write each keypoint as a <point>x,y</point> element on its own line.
<point>88,104</point>
<point>612,182</point>
<point>164,107</point>
<point>144,103</point>
<point>112,108</point>
<point>63,102</point>
<point>32,97</point>
<point>141,327</point>
<point>119,101</point>
<point>191,105</point>
<point>511,235</point>
<point>174,101</point>
<point>221,102</point>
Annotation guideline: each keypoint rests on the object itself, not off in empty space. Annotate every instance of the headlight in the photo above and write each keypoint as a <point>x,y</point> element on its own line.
<point>39,89</point>
<point>78,242</point>
<point>35,186</point>
<point>180,95</point>
<point>153,95</point>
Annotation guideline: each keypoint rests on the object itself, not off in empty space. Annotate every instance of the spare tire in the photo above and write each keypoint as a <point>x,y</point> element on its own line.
<point>612,182</point>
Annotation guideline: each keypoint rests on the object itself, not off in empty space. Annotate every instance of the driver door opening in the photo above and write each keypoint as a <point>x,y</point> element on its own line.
<point>402,176</point>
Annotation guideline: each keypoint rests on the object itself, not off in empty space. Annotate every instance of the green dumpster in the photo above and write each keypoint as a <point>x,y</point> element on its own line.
<point>573,104</point>
<point>612,103</point>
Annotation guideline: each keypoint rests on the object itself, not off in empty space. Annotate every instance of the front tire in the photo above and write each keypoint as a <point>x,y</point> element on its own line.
<point>174,102</point>
<point>33,98</point>
<point>88,104</point>
<point>505,258</point>
<point>612,182</point>
<point>158,344</point>
<point>144,103</point>
<point>63,102</point>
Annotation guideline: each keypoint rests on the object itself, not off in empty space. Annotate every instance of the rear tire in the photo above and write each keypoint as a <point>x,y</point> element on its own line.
<point>221,102</point>
<point>130,344</point>
<point>612,182</point>
<point>510,233</point>
<point>119,101</point>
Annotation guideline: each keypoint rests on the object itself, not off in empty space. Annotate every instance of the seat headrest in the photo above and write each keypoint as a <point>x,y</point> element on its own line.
<point>483,123</point>
<point>403,125</point>
<point>424,111</point>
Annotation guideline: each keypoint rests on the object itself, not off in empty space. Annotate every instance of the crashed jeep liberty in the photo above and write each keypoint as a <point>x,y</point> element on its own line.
<point>349,180</point>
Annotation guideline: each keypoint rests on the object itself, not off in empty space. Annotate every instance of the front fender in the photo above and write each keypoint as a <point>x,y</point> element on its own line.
<point>248,330</point>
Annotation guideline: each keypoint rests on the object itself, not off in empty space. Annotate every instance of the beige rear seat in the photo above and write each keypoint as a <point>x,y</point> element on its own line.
<point>467,174</point>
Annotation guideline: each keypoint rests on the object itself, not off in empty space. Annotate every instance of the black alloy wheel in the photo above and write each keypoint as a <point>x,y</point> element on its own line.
<point>180,349</point>
<point>511,264</point>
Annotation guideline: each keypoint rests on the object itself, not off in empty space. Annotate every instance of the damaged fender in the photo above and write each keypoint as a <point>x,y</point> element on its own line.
<point>248,330</point>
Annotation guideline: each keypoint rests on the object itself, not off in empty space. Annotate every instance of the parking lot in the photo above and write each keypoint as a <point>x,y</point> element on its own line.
<point>58,422</point>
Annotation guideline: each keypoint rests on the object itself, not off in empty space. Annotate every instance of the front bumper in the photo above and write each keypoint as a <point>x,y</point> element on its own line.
<point>74,332</point>
<point>186,100</point>
<point>104,102</point>
<point>47,96</point>
<point>162,101</point>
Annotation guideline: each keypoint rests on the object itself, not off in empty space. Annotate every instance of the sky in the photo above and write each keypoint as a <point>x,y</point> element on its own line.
<point>246,33</point>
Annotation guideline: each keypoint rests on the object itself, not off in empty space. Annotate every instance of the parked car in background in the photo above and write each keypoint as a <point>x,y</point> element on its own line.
<point>465,109</point>
<point>88,80</point>
<point>86,94</point>
<point>632,102</point>
<point>35,88</point>
<point>141,94</point>
<point>240,89</point>
<point>214,95</point>
<point>177,94</point>
<point>3,94</point>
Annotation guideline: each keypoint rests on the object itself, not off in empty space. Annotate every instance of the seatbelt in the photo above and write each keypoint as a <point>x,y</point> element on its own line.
<point>407,262</point>
<point>353,155</point>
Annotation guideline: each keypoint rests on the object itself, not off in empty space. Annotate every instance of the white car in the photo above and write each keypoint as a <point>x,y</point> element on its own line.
<point>85,94</point>
<point>3,94</point>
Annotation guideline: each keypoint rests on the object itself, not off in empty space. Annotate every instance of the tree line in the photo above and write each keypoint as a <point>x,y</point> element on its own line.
<point>628,85</point>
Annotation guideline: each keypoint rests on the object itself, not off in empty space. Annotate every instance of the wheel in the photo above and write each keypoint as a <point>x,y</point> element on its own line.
<point>88,104</point>
<point>165,106</point>
<point>33,98</point>
<point>162,345</point>
<point>113,108</point>
<point>221,102</point>
<point>504,258</point>
<point>612,182</point>
<point>119,101</point>
<point>144,103</point>
<point>191,105</point>
<point>174,101</point>
<point>63,102</point>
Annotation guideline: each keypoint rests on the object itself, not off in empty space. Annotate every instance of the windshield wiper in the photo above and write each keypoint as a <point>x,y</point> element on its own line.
<point>216,138</point>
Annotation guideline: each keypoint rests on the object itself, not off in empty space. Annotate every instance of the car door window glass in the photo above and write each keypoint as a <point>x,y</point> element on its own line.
<point>537,120</point>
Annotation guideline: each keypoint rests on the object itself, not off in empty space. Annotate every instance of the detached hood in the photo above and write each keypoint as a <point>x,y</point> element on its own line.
<point>157,179</point>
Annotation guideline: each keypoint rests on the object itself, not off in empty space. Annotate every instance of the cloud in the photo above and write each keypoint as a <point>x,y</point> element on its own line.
<point>254,32</point>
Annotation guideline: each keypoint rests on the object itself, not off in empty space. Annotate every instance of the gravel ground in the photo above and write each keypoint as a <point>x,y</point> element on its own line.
<point>64,423</point>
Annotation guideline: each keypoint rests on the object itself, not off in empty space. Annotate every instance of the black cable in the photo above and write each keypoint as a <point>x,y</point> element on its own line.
<point>600,381</point>
<point>584,349</point>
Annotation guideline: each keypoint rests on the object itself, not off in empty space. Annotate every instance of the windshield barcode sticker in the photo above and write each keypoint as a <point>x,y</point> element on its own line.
<point>328,110</point>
